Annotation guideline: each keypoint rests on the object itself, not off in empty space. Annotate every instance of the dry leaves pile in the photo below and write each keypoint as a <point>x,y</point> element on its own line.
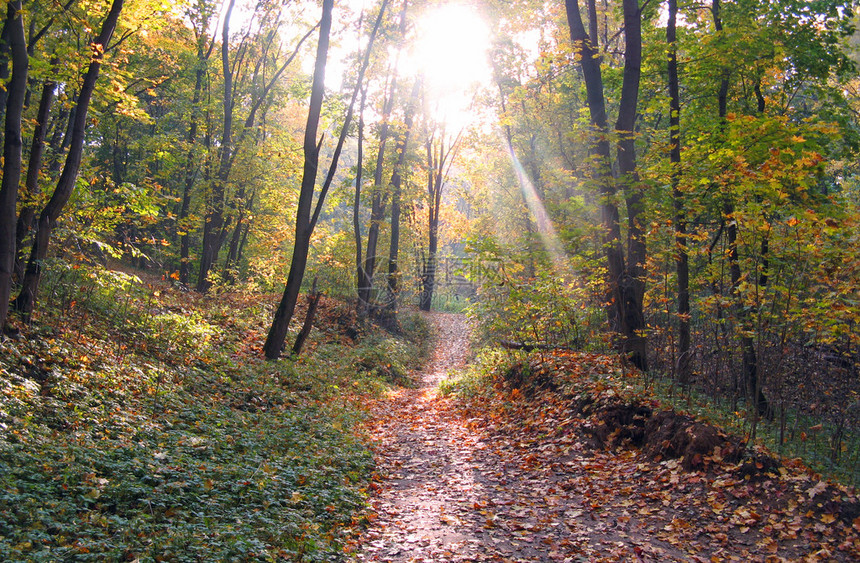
<point>515,476</point>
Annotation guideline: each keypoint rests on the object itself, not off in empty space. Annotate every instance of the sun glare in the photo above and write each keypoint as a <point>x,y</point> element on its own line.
<point>450,52</point>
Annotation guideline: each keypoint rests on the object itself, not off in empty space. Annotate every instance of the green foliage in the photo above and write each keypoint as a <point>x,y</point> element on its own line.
<point>478,377</point>
<point>548,309</point>
<point>119,301</point>
<point>390,358</point>
<point>153,429</point>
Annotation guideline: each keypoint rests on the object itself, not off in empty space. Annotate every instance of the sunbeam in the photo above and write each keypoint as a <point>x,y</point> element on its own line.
<point>546,230</point>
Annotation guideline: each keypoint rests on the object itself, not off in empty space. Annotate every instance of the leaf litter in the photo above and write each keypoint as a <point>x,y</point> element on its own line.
<point>517,474</point>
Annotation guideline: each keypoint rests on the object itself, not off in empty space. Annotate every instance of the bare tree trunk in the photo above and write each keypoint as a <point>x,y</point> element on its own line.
<point>305,219</point>
<point>246,230</point>
<point>62,125</point>
<point>12,146</point>
<point>278,331</point>
<point>191,166</point>
<point>626,281</point>
<point>5,42</point>
<point>47,219</point>
<point>435,182</point>
<point>682,266</point>
<point>379,197</point>
<point>214,220</point>
<point>396,187</point>
<point>31,185</point>
<point>233,249</point>
<point>313,302</point>
<point>362,281</point>
<point>378,202</point>
<point>438,165</point>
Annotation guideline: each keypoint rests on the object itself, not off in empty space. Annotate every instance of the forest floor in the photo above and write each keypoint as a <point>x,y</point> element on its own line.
<point>515,475</point>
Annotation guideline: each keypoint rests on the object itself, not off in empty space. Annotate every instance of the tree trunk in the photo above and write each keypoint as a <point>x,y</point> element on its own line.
<point>362,281</point>
<point>12,145</point>
<point>62,125</point>
<point>214,220</point>
<point>682,266</point>
<point>633,284</point>
<point>240,207</point>
<point>247,227</point>
<point>278,331</point>
<point>5,46</point>
<point>31,186</point>
<point>435,183</point>
<point>47,219</point>
<point>428,277</point>
<point>626,282</point>
<point>191,163</point>
<point>749,359</point>
<point>313,302</point>
<point>378,203</point>
<point>396,187</point>
<point>233,249</point>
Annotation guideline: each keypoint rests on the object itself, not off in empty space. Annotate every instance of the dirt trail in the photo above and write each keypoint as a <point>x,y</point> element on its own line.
<point>452,493</point>
<point>465,487</point>
<point>425,451</point>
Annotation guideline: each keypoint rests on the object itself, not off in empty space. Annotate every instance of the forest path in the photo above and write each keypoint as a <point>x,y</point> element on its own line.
<point>511,478</point>
<point>425,451</point>
<point>453,493</point>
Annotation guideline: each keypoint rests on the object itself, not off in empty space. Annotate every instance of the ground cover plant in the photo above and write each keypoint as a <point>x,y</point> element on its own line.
<point>139,422</point>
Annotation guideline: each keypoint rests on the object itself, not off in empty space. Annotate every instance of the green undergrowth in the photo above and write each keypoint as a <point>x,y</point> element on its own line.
<point>143,425</point>
<point>478,378</point>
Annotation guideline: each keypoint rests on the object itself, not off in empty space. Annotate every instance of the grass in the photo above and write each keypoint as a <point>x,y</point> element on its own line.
<point>142,424</point>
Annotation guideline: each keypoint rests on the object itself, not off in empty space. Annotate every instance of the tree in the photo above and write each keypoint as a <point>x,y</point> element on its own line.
<point>34,166</point>
<point>397,176</point>
<point>308,215</point>
<point>626,278</point>
<point>440,157</point>
<point>200,19</point>
<point>12,145</point>
<point>682,264</point>
<point>248,68</point>
<point>47,219</point>
<point>214,220</point>
<point>378,201</point>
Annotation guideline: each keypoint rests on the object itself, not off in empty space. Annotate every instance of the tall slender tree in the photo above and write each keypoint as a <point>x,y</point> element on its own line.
<point>34,166</point>
<point>440,157</point>
<point>682,262</point>
<point>65,186</point>
<point>201,17</point>
<point>396,192</point>
<point>749,356</point>
<point>378,201</point>
<point>214,220</point>
<point>12,150</point>
<point>307,215</point>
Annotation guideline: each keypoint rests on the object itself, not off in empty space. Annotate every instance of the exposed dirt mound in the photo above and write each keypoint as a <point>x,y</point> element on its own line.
<point>617,425</point>
<point>609,422</point>
<point>671,435</point>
